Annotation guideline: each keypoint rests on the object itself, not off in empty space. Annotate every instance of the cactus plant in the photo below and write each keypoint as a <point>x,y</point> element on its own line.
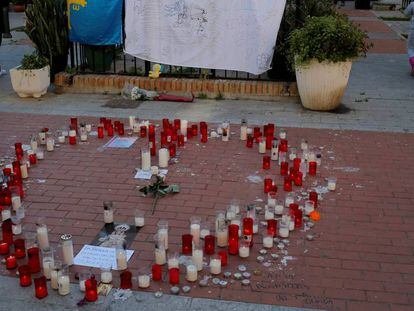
<point>46,26</point>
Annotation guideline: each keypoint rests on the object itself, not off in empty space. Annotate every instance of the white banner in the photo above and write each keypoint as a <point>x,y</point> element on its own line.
<point>218,34</point>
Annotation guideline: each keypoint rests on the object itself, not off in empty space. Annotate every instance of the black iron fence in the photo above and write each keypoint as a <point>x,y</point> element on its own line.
<point>112,60</point>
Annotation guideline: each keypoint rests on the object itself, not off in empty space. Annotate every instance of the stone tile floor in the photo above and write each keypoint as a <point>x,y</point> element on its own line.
<point>362,258</point>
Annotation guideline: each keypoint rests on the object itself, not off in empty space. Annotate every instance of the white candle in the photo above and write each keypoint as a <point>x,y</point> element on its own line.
<point>108,216</point>
<point>42,138</point>
<point>267,241</point>
<point>5,214</point>
<point>243,132</point>
<point>173,262</point>
<point>50,144</point>
<point>222,238</point>
<point>143,281</point>
<point>269,213</point>
<point>309,207</point>
<point>271,201</point>
<point>163,236</point>
<point>136,127</point>
<point>163,157</point>
<point>139,221</point>
<point>291,225</point>
<point>192,273</point>
<point>289,200</point>
<point>40,155</point>
<point>145,159</point>
<point>282,134</point>
<point>47,267</point>
<point>17,229</point>
<point>197,258</point>
<point>204,232</point>
<point>106,277</point>
<point>61,139</point>
<point>279,209</point>
<point>88,127</point>
<point>274,154</point>
<point>42,237</point>
<point>82,285</point>
<point>304,145</point>
<point>160,256</point>
<point>33,145</point>
<point>195,232</point>
<point>131,122</point>
<point>16,202</point>
<point>331,184</point>
<point>283,232</point>
<point>183,127</point>
<point>64,285</point>
<point>255,227</point>
<point>121,259</point>
<point>215,266</point>
<point>154,170</point>
<point>23,169</point>
<point>67,249</point>
<point>225,132</point>
<point>54,275</point>
<point>84,137</point>
<point>262,146</point>
<point>244,251</point>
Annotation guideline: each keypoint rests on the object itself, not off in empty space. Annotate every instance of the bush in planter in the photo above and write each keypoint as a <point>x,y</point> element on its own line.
<point>33,61</point>
<point>322,52</point>
<point>46,26</point>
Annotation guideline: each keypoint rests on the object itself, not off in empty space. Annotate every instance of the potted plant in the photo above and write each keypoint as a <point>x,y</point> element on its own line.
<point>323,51</point>
<point>19,5</point>
<point>32,77</point>
<point>46,26</point>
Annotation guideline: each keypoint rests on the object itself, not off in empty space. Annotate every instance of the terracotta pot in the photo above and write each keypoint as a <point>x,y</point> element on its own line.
<point>18,8</point>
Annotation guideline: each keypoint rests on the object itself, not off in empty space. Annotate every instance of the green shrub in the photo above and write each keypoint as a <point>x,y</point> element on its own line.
<point>332,38</point>
<point>33,61</point>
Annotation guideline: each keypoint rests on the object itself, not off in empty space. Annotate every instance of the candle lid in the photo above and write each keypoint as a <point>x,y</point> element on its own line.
<point>66,237</point>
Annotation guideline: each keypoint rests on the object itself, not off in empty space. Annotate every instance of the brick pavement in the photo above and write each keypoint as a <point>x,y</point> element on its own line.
<point>362,258</point>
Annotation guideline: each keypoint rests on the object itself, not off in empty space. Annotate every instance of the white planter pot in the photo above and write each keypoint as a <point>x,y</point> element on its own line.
<point>27,83</point>
<point>322,85</point>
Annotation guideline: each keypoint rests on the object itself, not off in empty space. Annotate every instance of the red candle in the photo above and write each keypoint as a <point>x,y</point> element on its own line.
<point>180,140</point>
<point>19,248</point>
<point>102,120</point>
<point>293,207</point>
<point>194,130</point>
<point>19,151</point>
<point>248,230</point>
<point>287,184</point>
<point>268,183</point>
<point>165,124</point>
<point>173,150</point>
<point>189,133</point>
<point>16,169</point>
<point>272,227</point>
<point>266,162</point>
<point>152,146</point>
<point>40,287</point>
<point>91,289</point>
<point>174,276</point>
<point>116,125</point>
<point>256,133</point>
<point>312,168</point>
<point>204,136</point>
<point>284,168</point>
<point>269,140</point>
<point>283,145</point>
<point>203,125</point>
<point>249,141</point>
<point>174,136</point>
<point>33,259</point>
<point>143,131</point>
<point>72,140</point>
<point>110,130</point>
<point>298,218</point>
<point>100,132</point>
<point>156,272</point>
<point>168,132</point>
<point>298,179</point>
<point>7,231</point>
<point>163,139</point>
<point>313,196</point>
<point>74,124</point>
<point>209,244</point>
<point>223,256</point>
<point>151,129</point>
<point>296,163</point>
<point>187,244</point>
<point>25,276</point>
<point>233,239</point>
<point>121,129</point>
<point>270,129</point>
<point>177,123</point>
<point>126,280</point>
<point>11,262</point>
<point>32,159</point>
<point>4,248</point>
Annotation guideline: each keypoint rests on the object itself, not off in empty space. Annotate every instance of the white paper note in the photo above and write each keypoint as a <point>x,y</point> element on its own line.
<point>97,256</point>
<point>121,142</point>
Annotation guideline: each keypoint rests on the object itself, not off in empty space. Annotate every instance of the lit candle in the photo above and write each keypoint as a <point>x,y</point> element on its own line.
<point>225,131</point>
<point>262,145</point>
<point>222,237</point>
<point>16,202</point>
<point>121,258</point>
<point>192,272</point>
<point>289,199</point>
<point>183,127</point>
<point>163,232</point>
<point>163,157</point>
<point>64,285</point>
<point>244,249</point>
<point>143,281</point>
<point>160,256</point>
<point>11,262</point>
<point>67,248</point>
<point>5,214</point>
<point>267,241</point>
<point>50,144</point>
<point>55,274</point>
<point>47,264</point>
<point>42,138</point>
<point>40,155</point>
<point>42,235</point>
<point>269,213</point>
<point>197,258</point>
<point>331,183</point>
<point>279,208</point>
<point>195,229</point>
<point>173,261</point>
<point>215,265</point>
<point>24,171</point>
<point>243,130</point>
<point>106,275</point>
<point>145,159</point>
<point>131,122</point>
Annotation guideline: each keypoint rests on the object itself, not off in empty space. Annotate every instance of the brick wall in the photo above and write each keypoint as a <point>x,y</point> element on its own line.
<point>228,89</point>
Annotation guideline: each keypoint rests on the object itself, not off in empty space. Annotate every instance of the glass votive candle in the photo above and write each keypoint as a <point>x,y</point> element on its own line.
<point>289,199</point>
<point>174,276</point>
<point>222,235</point>
<point>279,207</point>
<point>121,258</point>
<point>331,183</point>
<point>312,168</point>
<point>233,239</point>
<point>11,262</point>
<point>139,218</point>
<point>83,276</point>
<point>284,226</point>
<point>100,132</point>
<point>269,212</point>
<point>143,131</point>
<point>108,212</point>
<point>160,252</point>
<point>309,207</point>
<point>249,141</point>
<point>91,289</point>
<point>271,199</point>
<point>5,214</point>
<point>19,248</point>
<point>106,274</point>
<point>284,168</point>
<point>191,272</point>
<point>16,225</point>
<point>268,184</point>
<point>287,184</point>
<point>272,227</point>
<point>187,244</point>
<point>33,259</point>
<point>156,272</point>
<point>173,260</point>
<point>197,257</point>
<point>313,196</point>
<point>121,129</point>
<point>195,228</point>
<point>292,154</point>
<point>64,281</point>
<point>296,163</point>
<point>32,157</point>
<point>298,179</point>
<point>209,244</point>
<point>143,278</point>
<point>173,150</point>
<point>298,218</point>
<point>55,274</point>
<point>47,262</point>
<point>215,264</point>
<point>72,137</point>
<point>40,287</point>
<point>25,276</point>
<point>266,162</point>
<point>267,241</point>
<point>180,140</point>
<point>42,233</point>
<point>223,257</point>
<point>40,155</point>
<point>244,249</point>
<point>205,229</point>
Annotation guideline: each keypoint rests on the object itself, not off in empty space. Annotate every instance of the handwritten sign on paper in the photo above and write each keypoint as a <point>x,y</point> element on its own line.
<point>97,257</point>
<point>121,142</point>
<point>141,174</point>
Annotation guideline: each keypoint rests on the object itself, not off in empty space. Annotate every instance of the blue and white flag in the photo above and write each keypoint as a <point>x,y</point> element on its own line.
<point>95,22</point>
